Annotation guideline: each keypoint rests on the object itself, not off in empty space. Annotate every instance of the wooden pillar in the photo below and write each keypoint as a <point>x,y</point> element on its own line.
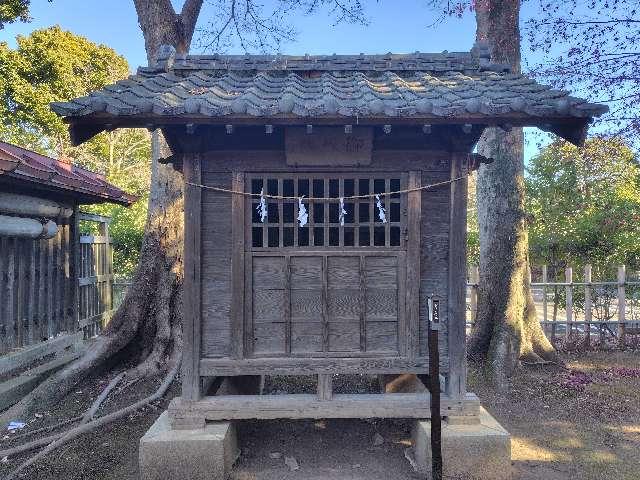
<point>106,267</point>
<point>622,314</point>
<point>569,300</point>
<point>192,280</point>
<point>74,270</point>
<point>587,304</point>
<point>457,377</point>
<point>237,266</point>
<point>31,299</point>
<point>412,298</point>
<point>20,280</point>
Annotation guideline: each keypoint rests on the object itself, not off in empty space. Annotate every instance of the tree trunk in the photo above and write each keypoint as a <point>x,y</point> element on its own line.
<point>506,328</point>
<point>147,328</point>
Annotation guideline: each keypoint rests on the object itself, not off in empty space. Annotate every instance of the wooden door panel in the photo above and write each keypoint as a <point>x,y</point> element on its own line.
<point>344,336</point>
<point>306,337</point>
<point>326,303</point>
<point>382,337</point>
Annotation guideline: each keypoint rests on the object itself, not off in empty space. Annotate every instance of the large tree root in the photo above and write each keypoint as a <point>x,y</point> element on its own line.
<point>48,428</point>
<point>88,425</point>
<point>88,416</point>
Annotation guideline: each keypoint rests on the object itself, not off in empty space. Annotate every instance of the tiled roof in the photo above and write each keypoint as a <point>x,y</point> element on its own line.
<point>26,165</point>
<point>455,86</point>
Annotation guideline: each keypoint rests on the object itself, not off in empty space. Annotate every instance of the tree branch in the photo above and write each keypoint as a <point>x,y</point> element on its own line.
<point>189,17</point>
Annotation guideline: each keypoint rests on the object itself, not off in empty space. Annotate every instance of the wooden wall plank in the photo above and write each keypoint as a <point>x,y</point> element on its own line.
<point>216,250</point>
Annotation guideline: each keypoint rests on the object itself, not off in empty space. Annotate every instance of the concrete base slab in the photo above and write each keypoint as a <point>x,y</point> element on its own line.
<point>481,451</point>
<point>206,453</point>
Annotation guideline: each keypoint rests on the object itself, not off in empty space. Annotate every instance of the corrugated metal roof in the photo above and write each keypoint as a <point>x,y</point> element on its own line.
<point>26,165</point>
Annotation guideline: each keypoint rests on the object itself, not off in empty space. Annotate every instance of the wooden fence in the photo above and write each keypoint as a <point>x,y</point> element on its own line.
<point>39,296</point>
<point>95,280</point>
<point>565,307</point>
<point>36,289</point>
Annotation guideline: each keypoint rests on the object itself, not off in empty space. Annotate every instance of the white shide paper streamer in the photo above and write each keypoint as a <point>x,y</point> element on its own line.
<point>303,216</point>
<point>343,212</point>
<point>262,207</point>
<point>382,213</point>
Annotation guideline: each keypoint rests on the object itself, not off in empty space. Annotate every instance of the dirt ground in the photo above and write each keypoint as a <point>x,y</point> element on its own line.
<point>583,422</point>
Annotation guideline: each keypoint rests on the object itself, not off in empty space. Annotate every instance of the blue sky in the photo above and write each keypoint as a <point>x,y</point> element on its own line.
<point>397,26</point>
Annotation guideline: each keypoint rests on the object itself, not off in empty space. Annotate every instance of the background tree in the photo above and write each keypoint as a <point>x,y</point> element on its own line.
<point>53,65</point>
<point>49,65</point>
<point>585,205</point>
<point>506,328</point>
<point>14,10</point>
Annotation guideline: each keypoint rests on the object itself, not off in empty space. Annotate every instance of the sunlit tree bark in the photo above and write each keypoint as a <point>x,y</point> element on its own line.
<point>507,330</point>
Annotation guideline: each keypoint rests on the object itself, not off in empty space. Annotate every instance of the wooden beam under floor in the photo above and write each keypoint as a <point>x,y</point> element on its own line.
<point>298,406</point>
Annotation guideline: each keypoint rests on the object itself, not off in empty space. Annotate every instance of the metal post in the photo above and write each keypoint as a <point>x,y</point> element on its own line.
<point>434,387</point>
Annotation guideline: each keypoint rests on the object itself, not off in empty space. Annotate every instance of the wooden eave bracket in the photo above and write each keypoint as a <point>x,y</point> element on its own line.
<point>80,133</point>
<point>174,160</point>
<point>575,133</point>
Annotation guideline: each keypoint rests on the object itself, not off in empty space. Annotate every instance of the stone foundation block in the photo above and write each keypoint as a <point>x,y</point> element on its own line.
<point>480,451</point>
<point>205,453</point>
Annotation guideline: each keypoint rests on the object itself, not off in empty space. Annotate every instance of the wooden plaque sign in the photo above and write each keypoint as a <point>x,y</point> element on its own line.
<point>328,146</point>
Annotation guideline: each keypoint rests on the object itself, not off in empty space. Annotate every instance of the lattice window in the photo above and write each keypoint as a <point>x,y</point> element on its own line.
<point>362,225</point>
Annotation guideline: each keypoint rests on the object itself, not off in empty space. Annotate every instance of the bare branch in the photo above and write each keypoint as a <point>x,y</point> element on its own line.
<point>254,26</point>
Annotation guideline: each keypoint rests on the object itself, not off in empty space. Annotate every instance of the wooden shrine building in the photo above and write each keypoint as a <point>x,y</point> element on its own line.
<point>299,257</point>
<point>43,259</point>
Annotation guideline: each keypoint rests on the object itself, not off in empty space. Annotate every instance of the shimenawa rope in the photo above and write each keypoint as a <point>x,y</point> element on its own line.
<point>327,199</point>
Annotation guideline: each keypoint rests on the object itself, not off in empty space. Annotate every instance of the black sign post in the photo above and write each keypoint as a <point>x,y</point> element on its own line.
<point>434,388</point>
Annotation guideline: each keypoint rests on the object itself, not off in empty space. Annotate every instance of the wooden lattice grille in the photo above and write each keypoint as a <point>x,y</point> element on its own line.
<point>362,225</point>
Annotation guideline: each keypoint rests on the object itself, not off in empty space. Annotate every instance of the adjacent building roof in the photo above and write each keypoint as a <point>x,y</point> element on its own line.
<point>27,166</point>
<point>428,88</point>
